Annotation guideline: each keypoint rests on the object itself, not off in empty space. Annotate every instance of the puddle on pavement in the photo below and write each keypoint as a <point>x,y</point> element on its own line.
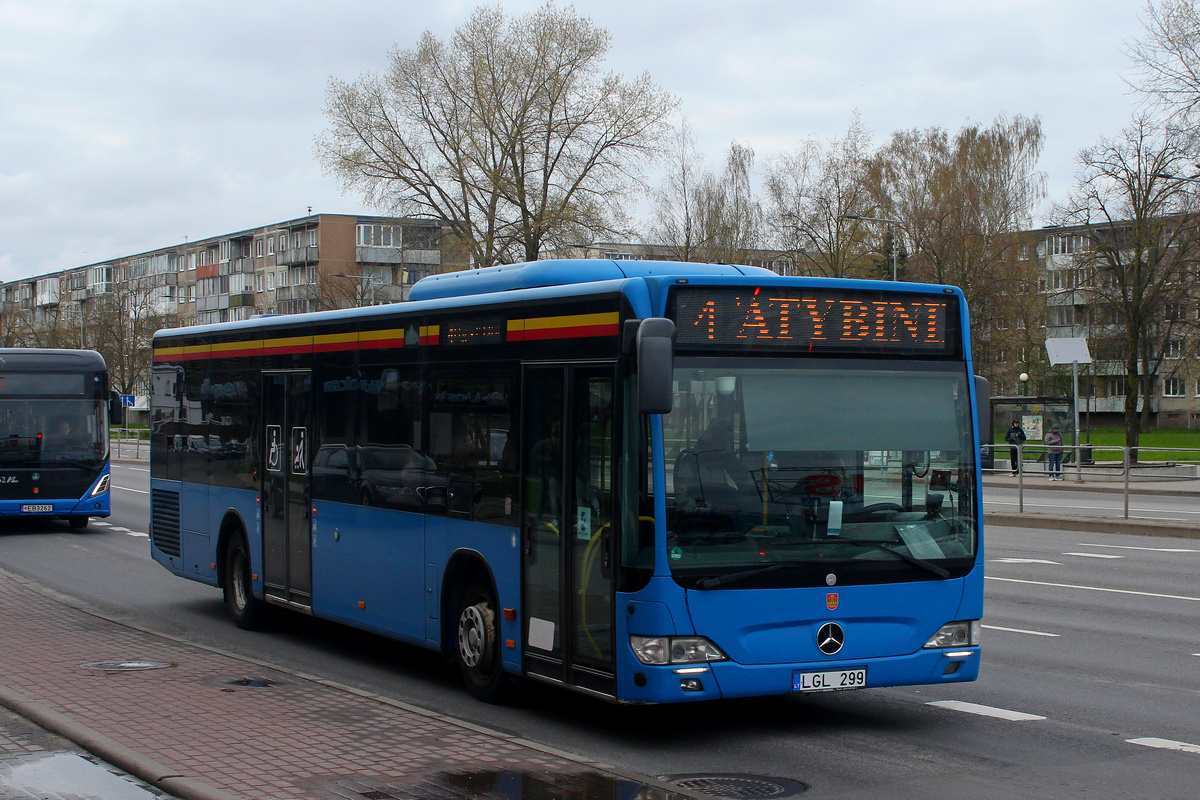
<point>505,785</point>
<point>66,774</point>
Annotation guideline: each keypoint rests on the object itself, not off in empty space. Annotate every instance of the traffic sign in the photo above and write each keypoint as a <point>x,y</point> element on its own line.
<point>127,401</point>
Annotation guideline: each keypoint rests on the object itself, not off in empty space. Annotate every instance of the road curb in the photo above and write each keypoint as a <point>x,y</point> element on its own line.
<point>112,751</point>
<point>1105,488</point>
<point>1139,527</point>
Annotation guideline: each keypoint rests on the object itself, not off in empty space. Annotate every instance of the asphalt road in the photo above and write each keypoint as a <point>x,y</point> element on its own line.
<point>1090,684</point>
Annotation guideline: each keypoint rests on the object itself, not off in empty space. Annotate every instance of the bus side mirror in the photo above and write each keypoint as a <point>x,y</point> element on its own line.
<point>983,408</point>
<point>114,408</point>
<point>655,345</point>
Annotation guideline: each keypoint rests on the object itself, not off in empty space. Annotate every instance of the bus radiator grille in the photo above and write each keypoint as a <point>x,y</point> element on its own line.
<point>164,520</point>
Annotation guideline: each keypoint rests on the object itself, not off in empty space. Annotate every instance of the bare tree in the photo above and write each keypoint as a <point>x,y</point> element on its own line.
<point>509,131</point>
<point>1145,247</point>
<point>122,324</point>
<point>1166,58</point>
<point>961,202</point>
<point>699,216</point>
<point>810,192</point>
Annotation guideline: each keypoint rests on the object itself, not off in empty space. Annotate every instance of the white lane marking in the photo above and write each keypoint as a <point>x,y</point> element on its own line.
<point>1095,588</point>
<point>1093,555</point>
<point>138,534</point>
<point>119,528</point>
<point>1166,744</point>
<point>1019,630</point>
<point>133,469</point>
<point>1025,561</point>
<point>101,523</point>
<point>126,489</point>
<point>985,711</point>
<point>1152,549</point>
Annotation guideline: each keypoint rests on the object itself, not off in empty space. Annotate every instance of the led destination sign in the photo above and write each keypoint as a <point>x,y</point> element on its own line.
<point>816,320</point>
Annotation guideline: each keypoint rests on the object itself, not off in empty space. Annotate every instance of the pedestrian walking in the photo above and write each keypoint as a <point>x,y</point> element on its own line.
<point>1015,436</point>
<point>1054,453</point>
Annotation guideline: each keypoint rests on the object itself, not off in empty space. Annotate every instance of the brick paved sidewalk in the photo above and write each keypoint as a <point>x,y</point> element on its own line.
<point>202,724</point>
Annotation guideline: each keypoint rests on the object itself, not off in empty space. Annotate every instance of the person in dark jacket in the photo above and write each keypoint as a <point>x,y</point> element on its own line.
<point>1015,436</point>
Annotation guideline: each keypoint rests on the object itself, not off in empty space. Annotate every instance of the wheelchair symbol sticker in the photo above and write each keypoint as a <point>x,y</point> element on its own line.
<point>274,448</point>
<point>299,451</point>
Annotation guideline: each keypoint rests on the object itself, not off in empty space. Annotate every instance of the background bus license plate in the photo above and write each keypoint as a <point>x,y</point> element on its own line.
<point>42,509</point>
<point>829,681</point>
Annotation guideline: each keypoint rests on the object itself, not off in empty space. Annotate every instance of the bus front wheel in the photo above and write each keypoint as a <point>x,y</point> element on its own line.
<point>248,612</point>
<point>78,523</point>
<point>477,648</point>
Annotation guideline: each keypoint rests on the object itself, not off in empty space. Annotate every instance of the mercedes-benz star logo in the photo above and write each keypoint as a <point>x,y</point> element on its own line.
<point>830,638</point>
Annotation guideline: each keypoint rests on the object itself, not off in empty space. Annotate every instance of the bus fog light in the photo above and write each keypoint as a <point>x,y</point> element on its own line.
<point>675,649</point>
<point>691,685</point>
<point>956,634</point>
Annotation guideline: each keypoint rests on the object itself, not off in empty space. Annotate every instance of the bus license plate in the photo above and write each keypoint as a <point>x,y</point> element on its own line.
<point>829,681</point>
<point>40,509</point>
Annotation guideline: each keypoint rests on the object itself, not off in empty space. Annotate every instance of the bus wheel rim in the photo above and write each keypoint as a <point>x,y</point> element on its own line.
<point>472,635</point>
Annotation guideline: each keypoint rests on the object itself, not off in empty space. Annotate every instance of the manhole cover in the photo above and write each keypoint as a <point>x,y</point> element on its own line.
<point>125,666</point>
<point>738,787</point>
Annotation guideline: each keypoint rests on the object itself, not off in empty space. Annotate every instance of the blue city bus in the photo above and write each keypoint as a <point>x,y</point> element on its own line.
<point>55,406</point>
<point>645,481</point>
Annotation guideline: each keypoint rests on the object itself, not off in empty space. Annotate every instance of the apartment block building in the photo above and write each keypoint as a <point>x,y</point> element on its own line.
<point>314,262</point>
<point>1080,293</point>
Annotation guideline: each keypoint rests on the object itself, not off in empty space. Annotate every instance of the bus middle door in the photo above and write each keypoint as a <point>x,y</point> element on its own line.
<point>286,526</point>
<point>569,466</point>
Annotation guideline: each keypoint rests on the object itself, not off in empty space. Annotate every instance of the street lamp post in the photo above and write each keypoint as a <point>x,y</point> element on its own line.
<point>895,238</point>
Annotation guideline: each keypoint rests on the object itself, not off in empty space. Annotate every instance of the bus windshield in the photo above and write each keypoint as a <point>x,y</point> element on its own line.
<point>57,432</point>
<point>786,473</point>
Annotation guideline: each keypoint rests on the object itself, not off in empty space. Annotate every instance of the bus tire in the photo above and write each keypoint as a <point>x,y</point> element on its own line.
<point>477,643</point>
<point>78,523</point>
<point>248,612</point>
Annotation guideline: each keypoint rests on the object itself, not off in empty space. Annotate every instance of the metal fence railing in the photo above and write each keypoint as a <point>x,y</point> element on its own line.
<point>1093,464</point>
<point>129,442</point>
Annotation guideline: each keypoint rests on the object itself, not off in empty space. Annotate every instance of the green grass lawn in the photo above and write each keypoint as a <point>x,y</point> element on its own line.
<point>1115,437</point>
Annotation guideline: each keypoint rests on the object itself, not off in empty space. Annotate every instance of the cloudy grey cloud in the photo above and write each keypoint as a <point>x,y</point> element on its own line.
<point>128,125</point>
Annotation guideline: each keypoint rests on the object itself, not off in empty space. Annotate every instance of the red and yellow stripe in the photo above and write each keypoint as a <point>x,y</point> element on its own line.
<point>574,326</point>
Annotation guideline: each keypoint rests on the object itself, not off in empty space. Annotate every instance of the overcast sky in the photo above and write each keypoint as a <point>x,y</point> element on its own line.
<point>130,125</point>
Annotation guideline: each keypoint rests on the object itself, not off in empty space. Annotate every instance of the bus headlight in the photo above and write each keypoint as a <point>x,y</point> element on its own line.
<point>102,486</point>
<point>655,650</point>
<point>956,634</point>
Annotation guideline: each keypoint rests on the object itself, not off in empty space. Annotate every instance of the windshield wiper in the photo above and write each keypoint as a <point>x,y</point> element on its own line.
<point>708,583</point>
<point>886,547</point>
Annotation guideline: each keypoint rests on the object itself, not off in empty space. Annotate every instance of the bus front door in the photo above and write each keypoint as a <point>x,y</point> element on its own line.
<point>569,467</point>
<point>286,531</point>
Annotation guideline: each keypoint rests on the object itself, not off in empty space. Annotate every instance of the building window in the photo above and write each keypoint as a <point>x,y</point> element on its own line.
<point>1172,387</point>
<point>312,237</point>
<point>271,280</point>
<point>223,248</point>
<point>258,248</point>
<point>1174,349</point>
<point>270,245</point>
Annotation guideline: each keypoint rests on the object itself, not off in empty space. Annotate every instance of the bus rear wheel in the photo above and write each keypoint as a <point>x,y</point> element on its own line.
<point>248,612</point>
<point>78,523</point>
<point>477,646</point>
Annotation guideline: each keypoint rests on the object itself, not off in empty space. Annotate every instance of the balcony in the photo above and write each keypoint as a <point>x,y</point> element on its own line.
<point>297,256</point>
<point>1102,405</point>
<point>288,293</point>
<point>396,255</point>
